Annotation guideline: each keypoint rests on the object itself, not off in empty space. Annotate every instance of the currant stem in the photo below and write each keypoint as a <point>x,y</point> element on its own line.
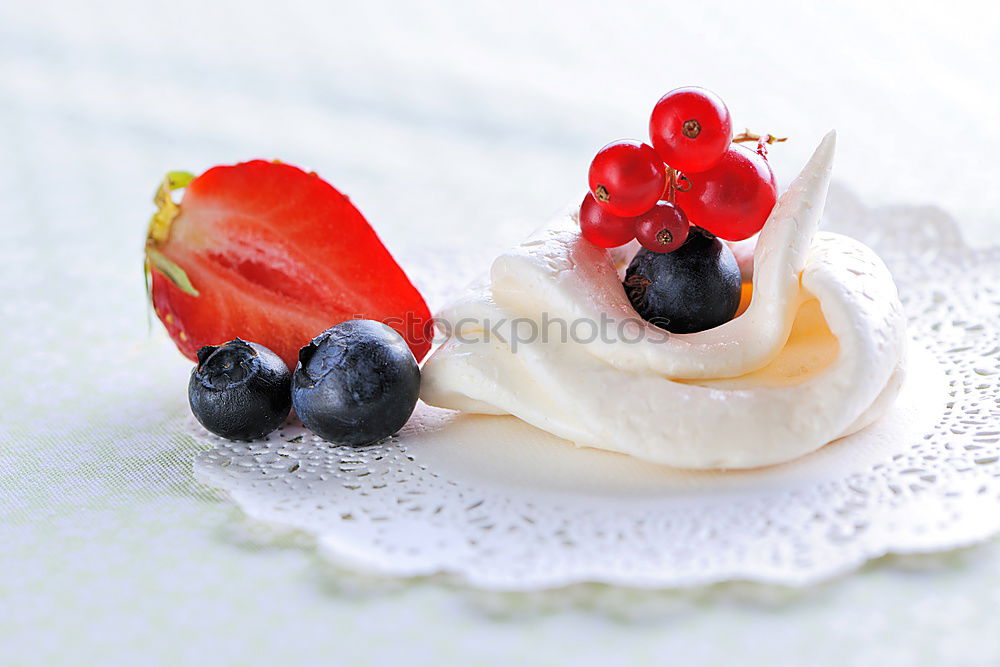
<point>676,182</point>
<point>747,135</point>
<point>682,184</point>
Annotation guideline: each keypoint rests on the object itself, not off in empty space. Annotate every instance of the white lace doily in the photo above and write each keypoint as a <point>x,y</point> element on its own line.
<point>501,505</point>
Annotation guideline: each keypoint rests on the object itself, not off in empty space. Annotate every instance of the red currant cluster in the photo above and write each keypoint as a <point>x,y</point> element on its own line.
<point>695,172</point>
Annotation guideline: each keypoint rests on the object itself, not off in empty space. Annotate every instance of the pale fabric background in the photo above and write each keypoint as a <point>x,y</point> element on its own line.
<point>455,126</point>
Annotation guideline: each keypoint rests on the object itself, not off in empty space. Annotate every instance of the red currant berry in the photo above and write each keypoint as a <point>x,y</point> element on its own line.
<point>732,199</point>
<point>627,178</point>
<point>690,128</point>
<point>663,228</point>
<point>602,228</point>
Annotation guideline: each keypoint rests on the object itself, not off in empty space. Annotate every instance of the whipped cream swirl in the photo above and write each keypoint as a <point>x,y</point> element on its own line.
<point>818,353</point>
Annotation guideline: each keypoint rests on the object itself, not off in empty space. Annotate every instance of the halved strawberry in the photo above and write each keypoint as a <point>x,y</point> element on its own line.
<point>266,252</point>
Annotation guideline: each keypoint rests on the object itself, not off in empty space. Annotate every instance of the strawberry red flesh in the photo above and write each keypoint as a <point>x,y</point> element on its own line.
<point>276,256</point>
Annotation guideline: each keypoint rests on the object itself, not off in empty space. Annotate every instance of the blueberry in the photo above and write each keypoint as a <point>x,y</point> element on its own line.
<point>240,390</point>
<point>693,288</point>
<point>355,383</point>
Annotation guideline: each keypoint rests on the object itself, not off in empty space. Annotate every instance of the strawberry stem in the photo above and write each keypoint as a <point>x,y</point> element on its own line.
<point>159,231</point>
<point>166,208</point>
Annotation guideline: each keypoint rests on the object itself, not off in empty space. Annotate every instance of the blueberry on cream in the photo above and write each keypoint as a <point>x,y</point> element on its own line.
<point>693,288</point>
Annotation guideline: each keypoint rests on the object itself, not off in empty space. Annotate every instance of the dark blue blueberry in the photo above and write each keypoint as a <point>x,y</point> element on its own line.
<point>693,288</point>
<point>356,383</point>
<point>240,390</point>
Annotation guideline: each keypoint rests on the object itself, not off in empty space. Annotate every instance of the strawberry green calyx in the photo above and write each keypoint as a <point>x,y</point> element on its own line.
<point>159,231</point>
<point>171,270</point>
<point>166,208</point>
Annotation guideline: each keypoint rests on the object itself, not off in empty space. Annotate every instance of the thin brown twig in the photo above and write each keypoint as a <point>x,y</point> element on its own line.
<point>747,135</point>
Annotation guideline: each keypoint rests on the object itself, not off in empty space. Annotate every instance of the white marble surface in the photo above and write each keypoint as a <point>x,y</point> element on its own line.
<point>452,125</point>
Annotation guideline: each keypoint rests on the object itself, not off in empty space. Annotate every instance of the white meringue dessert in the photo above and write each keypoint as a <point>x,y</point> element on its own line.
<point>818,353</point>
